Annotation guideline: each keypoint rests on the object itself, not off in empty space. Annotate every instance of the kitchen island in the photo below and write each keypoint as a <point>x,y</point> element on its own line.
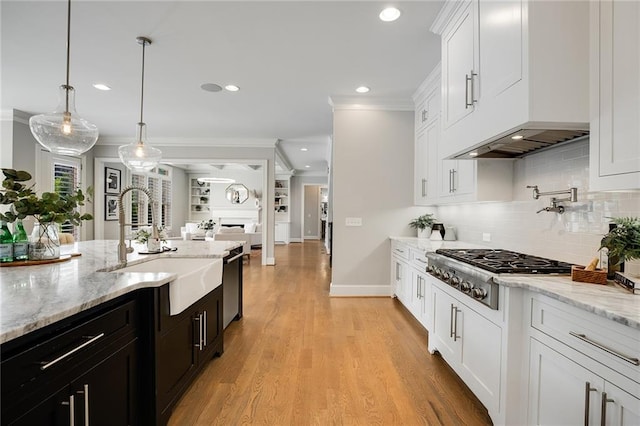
<point>81,340</point>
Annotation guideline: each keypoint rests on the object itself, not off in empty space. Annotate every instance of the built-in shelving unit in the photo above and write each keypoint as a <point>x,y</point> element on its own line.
<point>281,201</point>
<point>199,199</point>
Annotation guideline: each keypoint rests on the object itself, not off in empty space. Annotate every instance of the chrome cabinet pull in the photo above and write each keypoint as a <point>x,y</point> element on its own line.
<point>228,261</point>
<point>421,260</point>
<point>584,338</point>
<point>469,82</point>
<point>72,409</point>
<point>424,187</point>
<point>455,323</point>
<point>603,411</point>
<point>85,392</point>
<point>453,180</point>
<point>450,180</point>
<point>48,364</point>
<point>204,326</point>
<point>587,401</point>
<point>425,115</point>
<point>451,331</point>
<point>199,343</point>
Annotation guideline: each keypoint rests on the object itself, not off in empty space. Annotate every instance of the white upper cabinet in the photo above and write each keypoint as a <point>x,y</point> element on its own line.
<point>427,137</point>
<point>615,90</point>
<point>459,66</point>
<point>509,65</point>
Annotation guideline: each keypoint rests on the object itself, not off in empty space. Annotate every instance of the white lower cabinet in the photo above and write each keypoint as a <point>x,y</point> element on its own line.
<point>583,369</point>
<point>564,392</point>
<point>471,344</point>
<point>281,234</point>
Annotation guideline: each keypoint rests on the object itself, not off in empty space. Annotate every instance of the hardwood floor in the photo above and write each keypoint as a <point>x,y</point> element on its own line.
<point>300,357</point>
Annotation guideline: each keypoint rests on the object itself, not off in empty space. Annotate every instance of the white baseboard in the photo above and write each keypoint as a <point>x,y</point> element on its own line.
<point>271,260</point>
<point>295,240</point>
<point>311,237</point>
<point>360,290</point>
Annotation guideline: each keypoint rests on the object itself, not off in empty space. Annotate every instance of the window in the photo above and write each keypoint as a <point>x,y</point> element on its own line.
<point>66,178</point>
<point>159,184</point>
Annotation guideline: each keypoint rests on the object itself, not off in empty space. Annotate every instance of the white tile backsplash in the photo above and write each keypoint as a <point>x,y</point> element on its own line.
<point>573,236</point>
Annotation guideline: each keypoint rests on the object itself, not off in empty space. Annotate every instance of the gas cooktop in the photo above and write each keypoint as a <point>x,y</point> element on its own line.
<point>507,262</point>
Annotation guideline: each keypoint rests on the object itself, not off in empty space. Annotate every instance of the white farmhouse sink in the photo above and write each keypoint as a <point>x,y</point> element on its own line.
<point>196,278</point>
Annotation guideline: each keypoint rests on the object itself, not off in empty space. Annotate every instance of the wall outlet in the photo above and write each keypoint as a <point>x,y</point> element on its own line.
<point>353,221</point>
<point>486,236</point>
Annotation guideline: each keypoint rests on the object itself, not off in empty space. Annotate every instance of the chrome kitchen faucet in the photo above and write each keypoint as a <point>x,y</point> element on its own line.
<point>122,247</point>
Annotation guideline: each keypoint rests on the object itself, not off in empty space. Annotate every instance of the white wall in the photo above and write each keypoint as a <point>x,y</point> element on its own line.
<point>372,180</point>
<point>573,236</point>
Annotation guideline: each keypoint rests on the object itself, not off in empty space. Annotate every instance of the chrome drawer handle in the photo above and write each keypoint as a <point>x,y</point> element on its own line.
<point>584,338</point>
<point>48,364</point>
<point>228,261</point>
<point>587,402</point>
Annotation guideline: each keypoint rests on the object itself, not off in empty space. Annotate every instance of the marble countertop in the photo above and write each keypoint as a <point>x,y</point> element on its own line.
<point>32,297</point>
<point>427,245</point>
<point>609,301</point>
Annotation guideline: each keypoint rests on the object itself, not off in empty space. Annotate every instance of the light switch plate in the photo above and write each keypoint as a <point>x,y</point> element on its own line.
<point>353,221</point>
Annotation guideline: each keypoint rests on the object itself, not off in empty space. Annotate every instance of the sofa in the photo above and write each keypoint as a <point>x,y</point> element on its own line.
<point>234,233</point>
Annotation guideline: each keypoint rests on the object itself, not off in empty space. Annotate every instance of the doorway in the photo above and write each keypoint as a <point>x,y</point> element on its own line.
<point>314,211</point>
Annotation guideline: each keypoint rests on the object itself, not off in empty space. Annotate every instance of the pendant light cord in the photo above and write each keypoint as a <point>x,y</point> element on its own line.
<point>144,43</point>
<point>67,87</point>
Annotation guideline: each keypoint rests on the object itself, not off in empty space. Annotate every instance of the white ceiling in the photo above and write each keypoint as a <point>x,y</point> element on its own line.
<point>287,57</point>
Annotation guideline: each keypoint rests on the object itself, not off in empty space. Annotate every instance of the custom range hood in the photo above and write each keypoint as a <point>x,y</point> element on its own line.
<point>522,142</point>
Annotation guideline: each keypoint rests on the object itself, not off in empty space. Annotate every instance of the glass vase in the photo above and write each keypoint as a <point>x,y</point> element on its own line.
<point>44,242</point>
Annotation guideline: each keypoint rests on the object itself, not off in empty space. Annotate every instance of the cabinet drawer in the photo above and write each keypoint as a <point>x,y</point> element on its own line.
<point>400,250</point>
<point>610,343</point>
<point>418,259</point>
<point>63,349</point>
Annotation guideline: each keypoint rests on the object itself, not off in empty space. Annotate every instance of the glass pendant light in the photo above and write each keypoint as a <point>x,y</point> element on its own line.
<point>63,131</point>
<point>138,156</point>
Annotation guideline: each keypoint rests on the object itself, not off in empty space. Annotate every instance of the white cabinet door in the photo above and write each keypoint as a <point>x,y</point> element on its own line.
<point>622,408</point>
<point>615,90</point>
<point>401,281</point>
<point>426,161</point>
<point>443,326</point>
<point>501,54</point>
<point>459,62</point>
<point>426,305</point>
<point>282,233</point>
<point>480,355</point>
<point>457,177</point>
<point>561,392</point>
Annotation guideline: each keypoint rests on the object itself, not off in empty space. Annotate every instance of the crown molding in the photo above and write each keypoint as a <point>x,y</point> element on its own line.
<point>370,103</point>
<point>449,9</point>
<point>282,160</point>
<point>209,142</point>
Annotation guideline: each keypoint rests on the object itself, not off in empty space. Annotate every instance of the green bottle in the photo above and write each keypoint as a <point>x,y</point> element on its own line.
<point>20,242</point>
<point>6,243</point>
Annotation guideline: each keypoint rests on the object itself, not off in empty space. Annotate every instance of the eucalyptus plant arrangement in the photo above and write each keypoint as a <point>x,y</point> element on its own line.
<point>423,222</point>
<point>622,242</point>
<point>51,207</point>
<point>207,225</point>
<point>142,235</point>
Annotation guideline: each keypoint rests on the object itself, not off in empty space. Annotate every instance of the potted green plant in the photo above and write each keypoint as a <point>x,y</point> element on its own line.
<point>49,210</point>
<point>423,224</point>
<point>208,226</point>
<point>622,243</point>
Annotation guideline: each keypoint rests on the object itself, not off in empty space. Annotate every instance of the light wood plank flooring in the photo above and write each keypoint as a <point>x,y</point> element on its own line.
<point>300,357</point>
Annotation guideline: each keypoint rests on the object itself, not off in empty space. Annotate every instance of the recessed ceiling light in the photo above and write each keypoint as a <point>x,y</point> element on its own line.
<point>516,137</point>
<point>231,88</point>
<point>211,87</point>
<point>304,149</point>
<point>362,89</point>
<point>389,14</point>
<point>215,180</point>
<point>307,166</point>
<point>101,86</point>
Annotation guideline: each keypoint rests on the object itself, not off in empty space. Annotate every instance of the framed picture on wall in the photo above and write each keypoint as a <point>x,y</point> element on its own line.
<point>112,181</point>
<point>110,207</point>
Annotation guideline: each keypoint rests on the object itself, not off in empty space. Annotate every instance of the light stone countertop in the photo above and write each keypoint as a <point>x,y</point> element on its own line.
<point>608,301</point>
<point>32,297</point>
<point>427,245</point>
